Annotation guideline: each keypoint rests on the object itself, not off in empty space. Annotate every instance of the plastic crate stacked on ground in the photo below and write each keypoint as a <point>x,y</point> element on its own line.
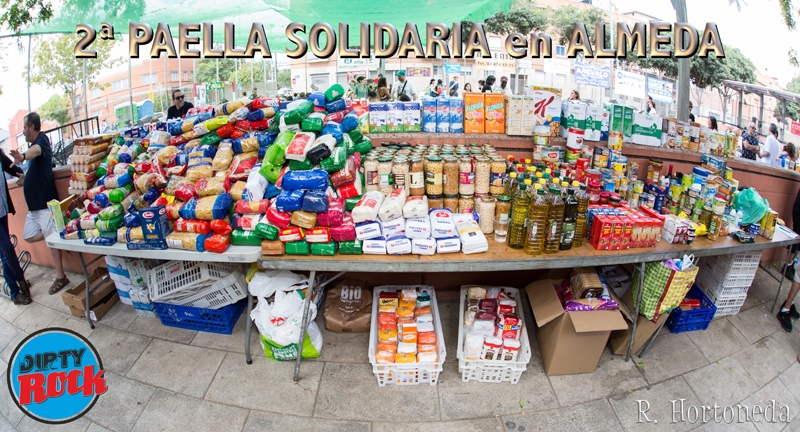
<point>493,370</point>
<point>725,279</point>
<point>220,320</point>
<point>406,373</point>
<point>690,320</point>
<point>198,284</point>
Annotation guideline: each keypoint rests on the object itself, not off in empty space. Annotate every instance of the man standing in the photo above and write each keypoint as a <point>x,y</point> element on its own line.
<point>253,95</point>
<point>179,108</point>
<point>452,88</point>
<point>19,288</point>
<point>504,88</point>
<point>404,87</point>
<point>691,116</point>
<point>750,143</point>
<point>39,188</point>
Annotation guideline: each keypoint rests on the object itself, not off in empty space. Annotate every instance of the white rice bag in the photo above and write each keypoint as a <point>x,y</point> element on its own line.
<point>426,246</point>
<point>392,207</point>
<point>398,245</point>
<point>448,245</point>
<point>415,207</point>
<point>368,230</point>
<point>483,327</point>
<point>376,246</point>
<point>394,226</point>
<point>426,357</point>
<point>406,347</point>
<point>256,187</point>
<point>239,114</point>
<point>300,145</point>
<point>159,137</point>
<point>367,207</point>
<point>472,239</point>
<point>418,228</point>
<point>282,126</point>
<point>442,225</point>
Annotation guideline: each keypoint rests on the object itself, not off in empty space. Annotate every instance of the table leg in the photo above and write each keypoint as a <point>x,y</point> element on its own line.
<point>652,338</point>
<point>247,329</point>
<point>780,286</point>
<point>636,310</point>
<point>304,326</point>
<point>88,288</point>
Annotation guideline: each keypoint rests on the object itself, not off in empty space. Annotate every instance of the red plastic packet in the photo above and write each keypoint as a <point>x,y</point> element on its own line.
<point>172,210</point>
<point>348,191</point>
<point>243,125</point>
<point>226,130</point>
<point>346,231</point>
<point>318,235</point>
<point>185,192</point>
<point>142,167</point>
<point>236,134</point>
<point>253,207</point>
<point>217,243</point>
<point>177,140</point>
<point>192,226</point>
<point>346,175</point>
<point>221,226</point>
<point>246,165</point>
<point>282,219</point>
<point>290,234</point>
<point>260,124</point>
<point>335,117</point>
<point>335,214</point>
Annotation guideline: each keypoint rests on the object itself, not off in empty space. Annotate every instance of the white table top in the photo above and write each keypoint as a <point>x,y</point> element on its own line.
<point>236,254</point>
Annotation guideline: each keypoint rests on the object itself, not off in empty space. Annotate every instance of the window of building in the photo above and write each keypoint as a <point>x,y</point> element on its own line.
<point>185,75</point>
<point>466,70</point>
<point>561,79</point>
<point>150,78</point>
<point>486,73</point>
<point>95,93</point>
<point>561,50</point>
<point>173,76</point>
<point>495,42</point>
<point>119,84</point>
<point>437,70</point>
<point>539,75</point>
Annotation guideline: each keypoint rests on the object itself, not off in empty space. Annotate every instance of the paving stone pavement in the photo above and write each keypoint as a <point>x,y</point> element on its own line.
<point>162,378</point>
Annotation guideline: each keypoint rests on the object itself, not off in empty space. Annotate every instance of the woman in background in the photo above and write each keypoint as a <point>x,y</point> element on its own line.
<point>467,87</point>
<point>712,123</point>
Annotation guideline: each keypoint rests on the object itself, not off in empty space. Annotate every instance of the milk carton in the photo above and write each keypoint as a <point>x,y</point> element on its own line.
<point>573,115</point>
<point>617,119</point>
<point>646,130</point>
<point>442,115</point>
<point>456,115</point>
<point>528,119</point>
<point>513,115</point>
<point>628,127</point>
<point>377,117</point>
<point>594,123</point>
<point>547,108</point>
<point>429,114</point>
<point>411,117</point>
<point>394,118</point>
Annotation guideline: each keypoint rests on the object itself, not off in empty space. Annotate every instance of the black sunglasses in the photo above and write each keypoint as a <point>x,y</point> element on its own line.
<point>179,97</point>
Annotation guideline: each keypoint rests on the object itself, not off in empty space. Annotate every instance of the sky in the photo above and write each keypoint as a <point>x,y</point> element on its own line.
<point>757,30</point>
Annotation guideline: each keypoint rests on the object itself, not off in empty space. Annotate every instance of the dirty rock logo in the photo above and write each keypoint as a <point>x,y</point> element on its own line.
<point>55,376</point>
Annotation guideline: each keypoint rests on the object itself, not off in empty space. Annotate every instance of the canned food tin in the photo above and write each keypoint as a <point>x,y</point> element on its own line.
<point>638,186</point>
<point>592,175</point>
<point>755,229</point>
<point>572,155</point>
<point>609,185</point>
<point>615,141</point>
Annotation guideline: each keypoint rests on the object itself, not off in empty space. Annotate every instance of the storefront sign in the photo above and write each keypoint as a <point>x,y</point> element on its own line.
<point>215,85</point>
<point>629,84</point>
<point>659,90</point>
<point>418,72</point>
<point>452,69</point>
<point>556,66</point>
<point>346,64</point>
<point>593,75</point>
<point>795,128</point>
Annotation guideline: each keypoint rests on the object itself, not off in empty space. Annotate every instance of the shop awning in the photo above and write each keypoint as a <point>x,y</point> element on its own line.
<point>781,95</point>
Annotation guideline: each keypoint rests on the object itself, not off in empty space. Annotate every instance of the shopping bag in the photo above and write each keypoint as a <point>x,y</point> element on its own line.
<point>311,346</point>
<point>664,288</point>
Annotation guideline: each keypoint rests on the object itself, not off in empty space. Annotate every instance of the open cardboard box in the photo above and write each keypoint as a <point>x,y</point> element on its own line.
<point>75,297</point>
<point>644,327</point>
<point>100,309</point>
<point>570,343</point>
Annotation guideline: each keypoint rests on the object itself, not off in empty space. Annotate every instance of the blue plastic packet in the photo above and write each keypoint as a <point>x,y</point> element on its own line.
<point>289,201</point>
<point>349,123</point>
<point>308,180</point>
<point>132,220</point>
<point>334,129</point>
<point>336,106</point>
<point>100,241</point>
<point>315,201</point>
<point>272,191</point>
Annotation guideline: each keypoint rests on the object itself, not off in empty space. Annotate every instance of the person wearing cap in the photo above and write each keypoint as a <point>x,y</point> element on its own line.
<point>504,88</point>
<point>404,87</point>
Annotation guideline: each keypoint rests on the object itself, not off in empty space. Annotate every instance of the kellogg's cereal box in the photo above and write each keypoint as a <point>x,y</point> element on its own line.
<point>495,113</point>
<point>547,108</point>
<point>474,113</point>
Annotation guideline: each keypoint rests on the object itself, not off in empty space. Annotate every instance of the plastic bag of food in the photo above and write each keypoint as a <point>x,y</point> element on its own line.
<point>275,155</point>
<point>357,136</point>
<point>174,183</point>
<point>304,219</point>
<point>350,202</point>
<point>346,231</point>
<point>392,207</point>
<point>315,201</point>
<point>300,145</point>
<point>363,146</point>
<point>246,144</point>
<point>265,229</point>
<point>270,171</point>
<point>318,99</point>
<point>207,208</point>
<point>323,249</point>
<point>472,238</point>
<point>217,243</point>
<point>111,212</point>
<point>418,228</point>
<point>442,225</point>
<point>336,91</point>
<point>336,161</point>
<point>88,222</point>
<point>239,114</point>
<point>203,151</point>
<point>278,218</point>
<point>185,192</point>
<point>245,222</point>
<point>297,248</point>
<point>258,114</point>
<point>368,206</point>
<point>225,131</point>
<point>245,238</point>
<point>334,215</point>
<point>119,194</point>
<point>289,201</point>
<point>313,123</point>
<point>210,138</point>
<point>320,151</point>
<point>398,245</point>
<point>209,186</point>
<point>131,220</point>
<point>303,165</point>
<point>148,181</point>
<point>298,113</point>
<point>173,210</point>
<point>346,175</point>
<point>334,130</point>
<point>115,181</point>
<point>192,226</point>
<point>186,241</point>
<point>223,157</point>
<point>251,207</point>
<point>237,190</point>
<point>415,207</point>
<point>200,129</point>
<point>314,179</point>
<point>349,123</point>
<point>199,171</point>
<point>293,233</point>
<point>220,226</point>
<point>336,106</point>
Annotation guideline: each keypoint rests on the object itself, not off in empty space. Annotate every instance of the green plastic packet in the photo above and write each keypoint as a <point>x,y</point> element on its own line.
<point>313,123</point>
<point>356,135</point>
<point>102,169</point>
<point>275,126</point>
<point>323,249</point>
<point>301,111</point>
<point>277,352</point>
<point>297,248</point>
<point>269,171</point>
<point>753,205</point>
<point>275,155</point>
<point>266,230</point>
<point>110,224</point>
<point>119,140</point>
<point>363,146</point>
<point>118,195</point>
<point>350,203</point>
<point>303,165</point>
<point>210,138</point>
<point>334,92</point>
<point>348,143</point>
<point>350,247</point>
<point>75,214</point>
<point>335,161</point>
<point>245,238</point>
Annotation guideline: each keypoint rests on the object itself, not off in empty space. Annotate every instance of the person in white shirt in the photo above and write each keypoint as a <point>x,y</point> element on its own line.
<point>404,86</point>
<point>771,153</point>
<point>504,88</point>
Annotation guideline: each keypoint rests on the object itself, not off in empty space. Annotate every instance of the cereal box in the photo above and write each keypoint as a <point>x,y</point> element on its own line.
<point>442,115</point>
<point>377,117</point>
<point>495,113</point>
<point>514,115</point>
<point>547,108</point>
<point>394,117</point>
<point>411,117</point>
<point>429,114</point>
<point>474,113</point>
<point>456,115</point>
<point>528,119</point>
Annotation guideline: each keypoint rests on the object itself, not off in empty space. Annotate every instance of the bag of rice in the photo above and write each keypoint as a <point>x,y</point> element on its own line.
<point>448,245</point>
<point>297,248</point>
<point>349,123</point>
<point>289,200</point>
<point>251,207</point>
<point>334,215</point>
<point>346,231</point>
<point>392,207</point>
<point>313,123</point>
<point>318,235</point>
<point>293,233</point>
<point>245,238</point>
<point>333,129</point>
<point>352,247</point>
<point>415,207</point>
<point>376,246</point>
<point>472,238</point>
<point>303,219</point>
<point>278,218</point>
<point>418,228</point>
<point>426,246</point>
<point>300,145</point>
<point>398,245</point>
<point>245,222</point>
<point>334,92</point>
<point>315,201</point>
<point>217,243</point>
<point>394,226</point>
<point>368,206</point>
<point>255,188</point>
<point>368,230</point>
<point>266,230</point>
<point>308,180</point>
<point>442,225</point>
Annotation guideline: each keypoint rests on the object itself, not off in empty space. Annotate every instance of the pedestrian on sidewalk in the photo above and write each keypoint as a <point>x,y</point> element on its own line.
<point>39,188</point>
<point>788,311</point>
<point>19,287</point>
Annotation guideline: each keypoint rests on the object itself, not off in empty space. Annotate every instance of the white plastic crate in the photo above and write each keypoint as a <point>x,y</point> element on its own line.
<point>721,302</point>
<point>493,370</point>
<point>223,292</point>
<point>166,281</point>
<point>406,373</point>
<point>717,278</point>
<point>723,291</point>
<point>727,310</point>
<point>739,261</point>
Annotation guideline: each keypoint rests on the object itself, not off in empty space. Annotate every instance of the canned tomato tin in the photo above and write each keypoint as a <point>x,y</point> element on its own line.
<point>571,155</point>
<point>592,175</point>
<point>581,165</point>
<point>563,170</point>
<point>587,152</point>
<point>615,141</point>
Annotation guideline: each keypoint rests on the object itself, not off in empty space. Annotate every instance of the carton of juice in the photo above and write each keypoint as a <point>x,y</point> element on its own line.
<point>456,115</point>
<point>377,117</point>
<point>394,118</point>
<point>547,108</point>
<point>474,113</point>
<point>429,114</point>
<point>442,115</point>
<point>495,113</point>
<point>411,117</point>
<point>513,115</point>
<point>528,119</point>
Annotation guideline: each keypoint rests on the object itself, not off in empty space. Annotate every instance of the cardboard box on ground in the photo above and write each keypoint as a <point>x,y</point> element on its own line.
<point>570,343</point>
<point>644,327</point>
<point>348,307</point>
<point>100,301</point>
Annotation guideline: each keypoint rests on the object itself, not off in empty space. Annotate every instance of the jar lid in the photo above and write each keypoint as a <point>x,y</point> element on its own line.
<point>415,159</point>
<point>400,159</point>
<point>504,198</point>
<point>449,158</point>
<point>434,158</point>
<point>372,157</point>
<point>451,196</point>
<point>488,199</point>
<point>385,159</point>
<point>430,197</point>
<point>483,159</point>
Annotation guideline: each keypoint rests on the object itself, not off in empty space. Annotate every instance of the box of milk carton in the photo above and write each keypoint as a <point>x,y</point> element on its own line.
<point>394,118</point>
<point>442,114</point>
<point>628,126</point>
<point>411,117</point>
<point>377,117</point>
<point>646,130</point>
<point>594,123</point>
<point>513,115</point>
<point>573,115</point>
<point>456,115</point>
<point>429,114</point>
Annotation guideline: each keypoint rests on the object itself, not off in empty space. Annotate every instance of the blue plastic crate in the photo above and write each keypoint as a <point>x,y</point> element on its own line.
<point>690,320</point>
<point>219,320</point>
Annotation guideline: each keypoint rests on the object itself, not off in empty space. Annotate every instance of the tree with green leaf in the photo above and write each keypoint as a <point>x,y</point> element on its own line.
<point>523,17</point>
<point>792,109</point>
<point>54,65</point>
<point>206,69</point>
<point>285,78</point>
<point>563,20</point>
<point>243,75</point>
<point>19,13</point>
<point>56,108</point>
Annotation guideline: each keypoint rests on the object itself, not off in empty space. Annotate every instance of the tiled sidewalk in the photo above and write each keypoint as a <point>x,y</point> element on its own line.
<point>162,378</point>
